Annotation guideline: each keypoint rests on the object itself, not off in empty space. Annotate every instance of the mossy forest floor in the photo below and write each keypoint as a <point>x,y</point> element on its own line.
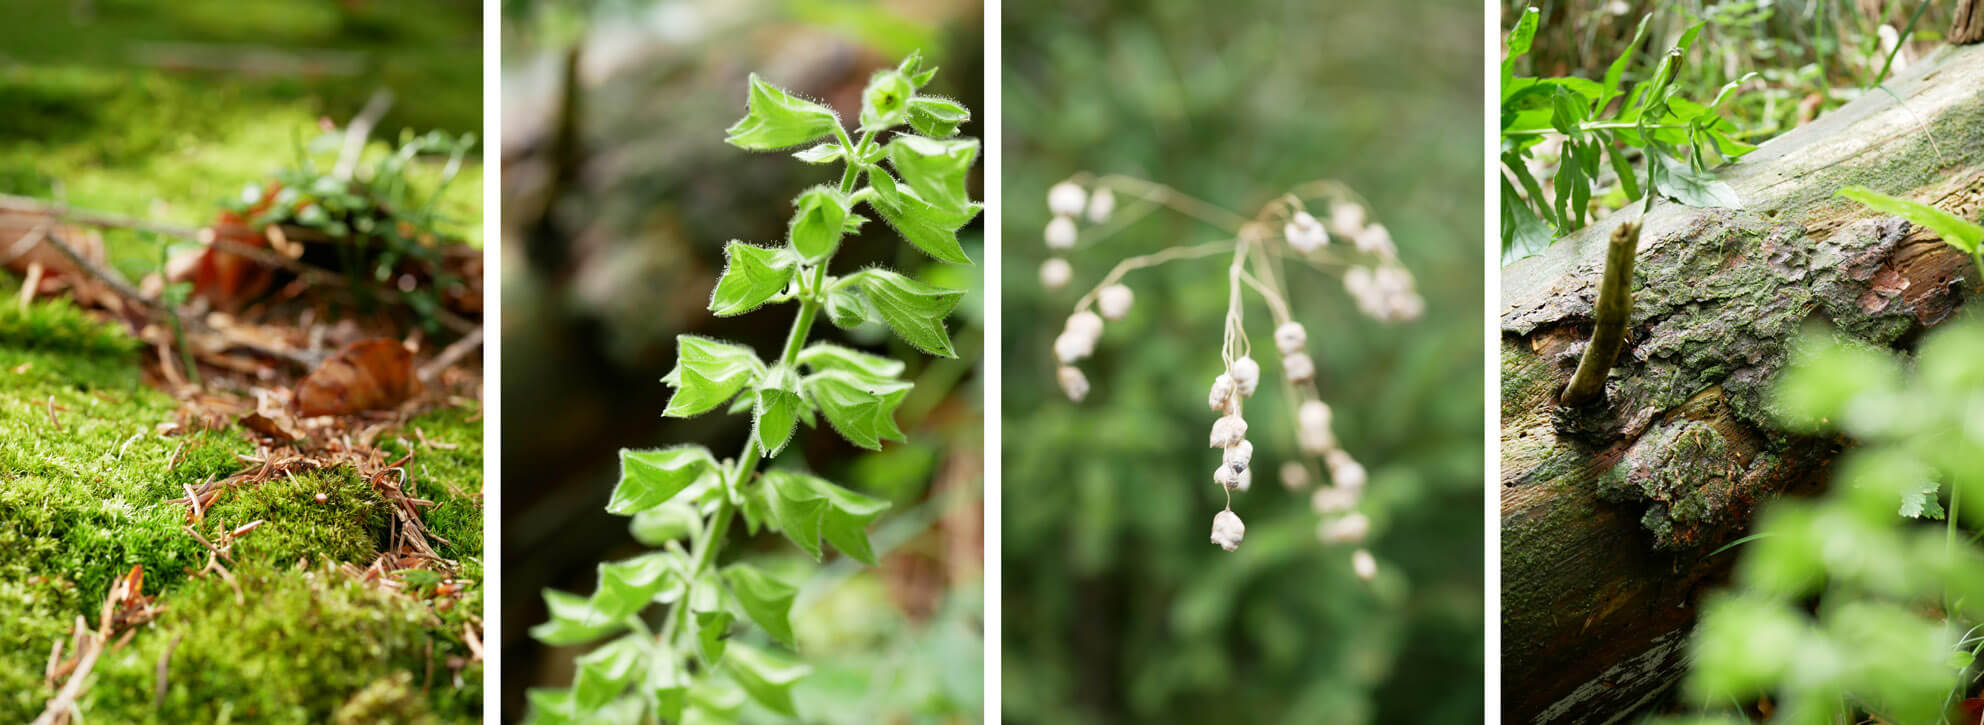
<point>89,479</point>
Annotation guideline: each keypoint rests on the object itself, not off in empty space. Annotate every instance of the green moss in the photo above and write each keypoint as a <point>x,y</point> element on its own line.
<point>447,469</point>
<point>350,525</point>
<point>59,325</point>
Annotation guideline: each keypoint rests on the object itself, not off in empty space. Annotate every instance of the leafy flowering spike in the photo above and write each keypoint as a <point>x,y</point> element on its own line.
<point>1114,301</point>
<point>777,119</point>
<point>885,102</point>
<point>1227,530</point>
<point>818,223</point>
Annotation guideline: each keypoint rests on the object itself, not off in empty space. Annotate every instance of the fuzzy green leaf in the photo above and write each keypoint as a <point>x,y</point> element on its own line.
<point>752,275</point>
<point>766,677</point>
<point>931,228</point>
<point>1697,189</point>
<point>670,521</point>
<point>667,685</point>
<point>650,478</point>
<point>776,411</point>
<point>766,600</point>
<point>627,586</point>
<point>707,373</point>
<point>937,117</point>
<point>935,170</point>
<point>807,507</point>
<point>776,119</point>
<point>573,621</point>
<point>825,153</point>
<point>847,308</point>
<point>885,102</point>
<point>712,636</point>
<point>915,310</point>
<point>604,673</point>
<point>817,226</point>
<point>1954,230</point>
<point>824,356</point>
<point>860,407</point>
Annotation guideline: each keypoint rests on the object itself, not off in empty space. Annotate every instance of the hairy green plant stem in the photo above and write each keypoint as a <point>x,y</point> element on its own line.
<point>810,302</point>
<point>1608,334</point>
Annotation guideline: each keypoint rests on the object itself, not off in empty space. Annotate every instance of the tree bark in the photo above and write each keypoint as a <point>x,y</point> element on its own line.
<point>1609,540</point>
<point>1968,27</point>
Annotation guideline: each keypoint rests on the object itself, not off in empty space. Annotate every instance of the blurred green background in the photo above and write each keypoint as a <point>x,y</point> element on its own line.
<point>618,199</point>
<point>1116,607</point>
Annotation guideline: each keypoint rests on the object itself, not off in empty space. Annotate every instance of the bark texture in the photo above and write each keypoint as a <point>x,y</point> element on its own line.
<point>1968,26</point>
<point>1607,537</point>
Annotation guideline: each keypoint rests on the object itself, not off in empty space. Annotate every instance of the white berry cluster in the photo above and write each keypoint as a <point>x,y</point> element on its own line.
<point>1336,503</point>
<point>1383,291</point>
<point>1067,201</point>
<point>1229,433</point>
<point>1384,294</point>
<point>1076,342</point>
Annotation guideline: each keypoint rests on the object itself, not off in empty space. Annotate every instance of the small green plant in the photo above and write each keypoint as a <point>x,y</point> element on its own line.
<point>1596,123</point>
<point>1852,606</point>
<point>1967,236</point>
<point>693,669</point>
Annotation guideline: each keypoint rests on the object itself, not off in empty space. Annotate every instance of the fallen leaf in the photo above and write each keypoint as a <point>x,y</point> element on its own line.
<point>374,374</point>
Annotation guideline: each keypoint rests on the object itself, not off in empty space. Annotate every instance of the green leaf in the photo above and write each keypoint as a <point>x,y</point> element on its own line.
<point>915,310</point>
<point>767,678</point>
<point>1922,503</point>
<point>671,521</point>
<point>776,119</point>
<point>817,225</point>
<point>912,68</point>
<point>627,586</point>
<point>604,673</point>
<point>1617,71</point>
<point>573,621</point>
<point>1697,189</point>
<point>777,410</point>
<point>848,308</point>
<point>824,356</point>
<point>825,153</point>
<point>667,685</point>
<point>937,117</point>
<point>807,507</point>
<point>1523,235</point>
<point>860,407</point>
<point>712,636</point>
<point>1955,230</point>
<point>1519,40</point>
<point>752,275</point>
<point>707,373</point>
<point>650,478</point>
<point>766,600</point>
<point>935,170</point>
<point>551,706</point>
<point>885,102</point>
<point>931,228</point>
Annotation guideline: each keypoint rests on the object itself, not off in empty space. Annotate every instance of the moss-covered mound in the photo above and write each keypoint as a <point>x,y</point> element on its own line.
<point>86,490</point>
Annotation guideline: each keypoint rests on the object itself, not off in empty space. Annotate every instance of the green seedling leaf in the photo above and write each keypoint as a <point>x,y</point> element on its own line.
<point>627,586</point>
<point>752,275</point>
<point>885,102</point>
<point>825,153</point>
<point>767,678</point>
<point>667,685</point>
<point>606,672</point>
<point>915,310</point>
<point>573,621</point>
<point>937,117</point>
<point>860,407</point>
<point>935,170</point>
<point>712,636</point>
<point>707,373</point>
<point>651,478</point>
<point>823,356</point>
<point>807,507</point>
<point>912,68</point>
<point>1697,189</point>
<point>819,222</point>
<point>931,228</point>
<point>777,410</point>
<point>777,119</point>
<point>672,521</point>
<point>765,600</point>
<point>1956,231</point>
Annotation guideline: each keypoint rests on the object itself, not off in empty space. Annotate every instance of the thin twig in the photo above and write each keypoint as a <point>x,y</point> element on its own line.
<point>450,355</point>
<point>65,701</point>
<point>1608,334</point>
<point>164,658</point>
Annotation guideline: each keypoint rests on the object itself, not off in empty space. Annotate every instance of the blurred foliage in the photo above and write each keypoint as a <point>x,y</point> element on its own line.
<point>1855,605</point>
<point>1117,608</point>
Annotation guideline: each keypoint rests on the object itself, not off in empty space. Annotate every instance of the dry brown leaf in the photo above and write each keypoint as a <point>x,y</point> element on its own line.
<point>374,374</point>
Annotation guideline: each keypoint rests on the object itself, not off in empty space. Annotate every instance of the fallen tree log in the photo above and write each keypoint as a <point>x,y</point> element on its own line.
<point>1609,540</point>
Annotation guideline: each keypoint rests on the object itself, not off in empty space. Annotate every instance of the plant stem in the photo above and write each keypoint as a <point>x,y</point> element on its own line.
<point>1615,304</point>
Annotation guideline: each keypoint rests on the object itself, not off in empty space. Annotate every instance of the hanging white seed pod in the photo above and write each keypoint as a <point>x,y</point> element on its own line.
<point>1294,476</point>
<point>1349,528</point>
<point>1055,273</point>
<point>1060,233</point>
<point>1359,282</point>
<point>1299,368</point>
<point>1312,428</point>
<point>1101,204</point>
<point>1290,337</point>
<point>1346,218</point>
<point>1246,376</point>
<point>1226,477</point>
<point>1376,239</point>
<point>1246,481</point>
<point>1304,233</point>
<point>1333,499</point>
<point>1408,307</point>
<point>1228,431</point>
<point>1364,564</point>
<point>1227,530</point>
<point>1114,301</point>
<point>1086,324</point>
<point>1073,382</point>
<point>1238,456</point>
<point>1345,471</point>
<point>1221,393</point>
<point>1066,199</point>
<point>1071,347</point>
